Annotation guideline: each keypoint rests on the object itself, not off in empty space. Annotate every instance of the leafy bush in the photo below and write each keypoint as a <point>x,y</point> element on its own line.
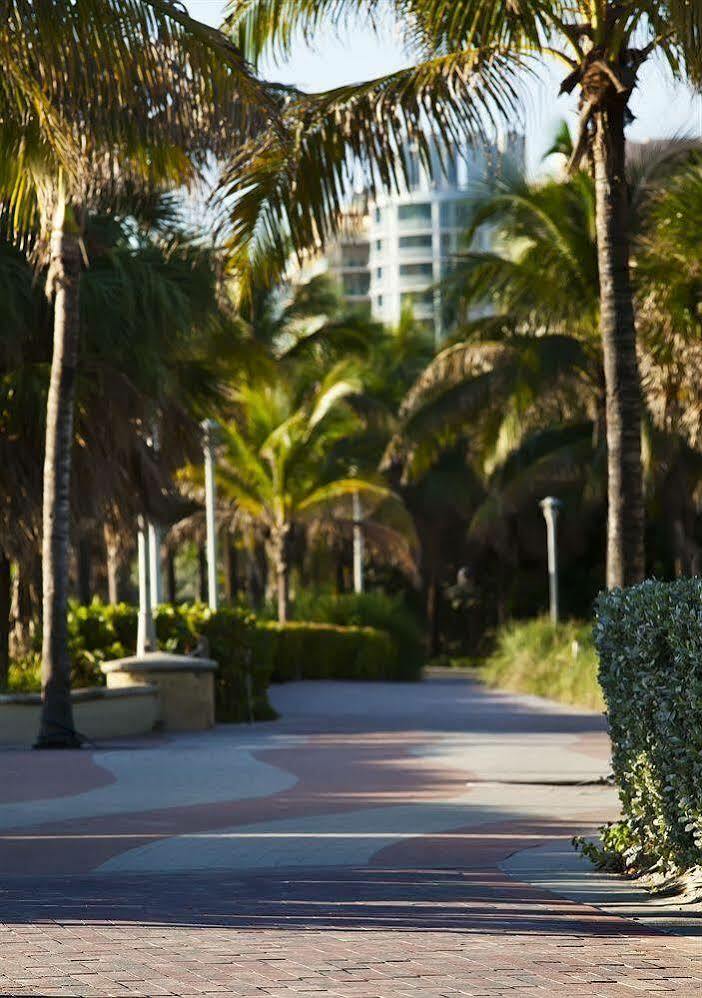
<point>243,650</point>
<point>376,610</point>
<point>649,640</point>
<point>555,662</point>
<point>24,676</point>
<point>325,651</point>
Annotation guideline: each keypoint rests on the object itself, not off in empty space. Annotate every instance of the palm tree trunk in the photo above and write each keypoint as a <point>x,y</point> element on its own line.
<point>231,581</point>
<point>57,730</point>
<point>85,573</point>
<point>201,574</point>
<point>5,608</point>
<point>171,581</point>
<point>433,614</point>
<point>280,565</point>
<point>112,565</point>
<point>625,521</point>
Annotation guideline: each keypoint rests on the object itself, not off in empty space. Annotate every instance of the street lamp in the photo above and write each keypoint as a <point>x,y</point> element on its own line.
<point>358,546</point>
<point>550,507</point>
<point>146,632</point>
<point>209,430</point>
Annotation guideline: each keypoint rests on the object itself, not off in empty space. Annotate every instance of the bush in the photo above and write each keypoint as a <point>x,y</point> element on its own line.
<point>555,662</point>
<point>243,650</point>
<point>325,651</point>
<point>649,640</point>
<point>376,610</point>
<point>24,675</point>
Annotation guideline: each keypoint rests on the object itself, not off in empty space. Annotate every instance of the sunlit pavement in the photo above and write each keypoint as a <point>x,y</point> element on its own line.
<point>352,848</point>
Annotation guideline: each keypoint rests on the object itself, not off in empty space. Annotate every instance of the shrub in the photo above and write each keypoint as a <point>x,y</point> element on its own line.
<point>325,651</point>
<point>24,675</point>
<point>376,610</point>
<point>243,650</point>
<point>556,662</point>
<point>96,634</point>
<point>649,640</point>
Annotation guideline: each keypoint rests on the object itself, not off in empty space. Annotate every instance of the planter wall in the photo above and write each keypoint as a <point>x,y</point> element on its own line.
<point>98,713</point>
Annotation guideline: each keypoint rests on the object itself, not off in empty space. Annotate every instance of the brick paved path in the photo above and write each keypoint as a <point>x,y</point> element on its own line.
<point>352,848</point>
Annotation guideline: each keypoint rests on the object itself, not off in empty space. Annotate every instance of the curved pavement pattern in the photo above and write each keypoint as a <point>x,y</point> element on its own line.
<point>355,847</point>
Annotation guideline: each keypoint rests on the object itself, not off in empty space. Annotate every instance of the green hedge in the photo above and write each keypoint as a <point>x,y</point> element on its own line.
<point>377,610</point>
<point>323,651</point>
<point>649,640</point>
<point>243,650</point>
<point>559,663</point>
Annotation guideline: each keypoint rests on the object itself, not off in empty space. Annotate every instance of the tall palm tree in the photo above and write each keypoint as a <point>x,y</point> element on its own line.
<point>527,381</point>
<point>473,52</point>
<point>279,468</point>
<point>96,98</point>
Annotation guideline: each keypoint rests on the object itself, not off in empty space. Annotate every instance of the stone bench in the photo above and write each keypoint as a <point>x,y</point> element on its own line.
<point>185,686</point>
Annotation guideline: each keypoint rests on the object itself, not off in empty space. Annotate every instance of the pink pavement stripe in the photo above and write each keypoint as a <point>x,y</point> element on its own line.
<point>27,776</point>
<point>358,772</point>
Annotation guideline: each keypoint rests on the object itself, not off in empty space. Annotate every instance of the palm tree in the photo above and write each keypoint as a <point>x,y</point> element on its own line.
<point>279,466</point>
<point>528,379</point>
<point>473,53</point>
<point>168,92</point>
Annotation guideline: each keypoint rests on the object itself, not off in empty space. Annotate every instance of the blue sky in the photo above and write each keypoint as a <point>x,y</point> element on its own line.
<point>662,108</point>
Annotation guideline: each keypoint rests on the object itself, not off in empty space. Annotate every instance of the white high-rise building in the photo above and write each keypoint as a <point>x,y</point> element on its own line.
<point>397,254</point>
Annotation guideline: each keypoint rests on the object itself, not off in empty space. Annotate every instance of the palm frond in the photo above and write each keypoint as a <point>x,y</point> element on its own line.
<point>276,193</point>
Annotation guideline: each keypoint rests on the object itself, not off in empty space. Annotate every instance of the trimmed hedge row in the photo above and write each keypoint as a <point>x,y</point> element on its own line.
<point>649,639</point>
<point>324,651</point>
<point>378,610</point>
<point>251,653</point>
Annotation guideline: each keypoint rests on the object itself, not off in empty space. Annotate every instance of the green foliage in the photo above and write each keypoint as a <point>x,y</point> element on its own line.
<point>649,639</point>
<point>558,663</point>
<point>24,676</point>
<point>376,610</point>
<point>326,651</point>
<point>243,650</point>
<point>609,854</point>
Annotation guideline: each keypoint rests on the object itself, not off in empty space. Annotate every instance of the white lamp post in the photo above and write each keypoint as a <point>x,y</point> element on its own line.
<point>209,428</point>
<point>358,547</point>
<point>550,507</point>
<point>155,573</point>
<point>146,632</point>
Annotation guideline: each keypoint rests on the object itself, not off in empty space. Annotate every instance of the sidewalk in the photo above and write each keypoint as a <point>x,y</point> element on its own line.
<point>357,847</point>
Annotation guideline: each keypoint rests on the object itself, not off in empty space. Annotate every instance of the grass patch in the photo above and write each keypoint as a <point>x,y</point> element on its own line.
<point>559,663</point>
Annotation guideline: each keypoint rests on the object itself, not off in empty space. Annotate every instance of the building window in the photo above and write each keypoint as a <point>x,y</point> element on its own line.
<point>379,301</point>
<point>414,214</point>
<point>379,245</point>
<point>356,284</point>
<point>379,273</point>
<point>417,298</point>
<point>415,242</point>
<point>378,215</point>
<point>417,270</point>
<point>455,214</point>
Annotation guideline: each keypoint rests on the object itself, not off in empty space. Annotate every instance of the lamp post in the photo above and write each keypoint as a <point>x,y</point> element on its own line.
<point>209,428</point>
<point>550,507</point>
<point>146,632</point>
<point>155,573</point>
<point>358,547</point>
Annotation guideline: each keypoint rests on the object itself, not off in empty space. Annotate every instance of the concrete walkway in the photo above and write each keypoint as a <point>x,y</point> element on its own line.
<point>368,844</point>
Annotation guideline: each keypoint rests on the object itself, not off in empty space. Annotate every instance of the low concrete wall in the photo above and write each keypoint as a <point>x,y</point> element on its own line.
<point>97,713</point>
<point>185,686</point>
